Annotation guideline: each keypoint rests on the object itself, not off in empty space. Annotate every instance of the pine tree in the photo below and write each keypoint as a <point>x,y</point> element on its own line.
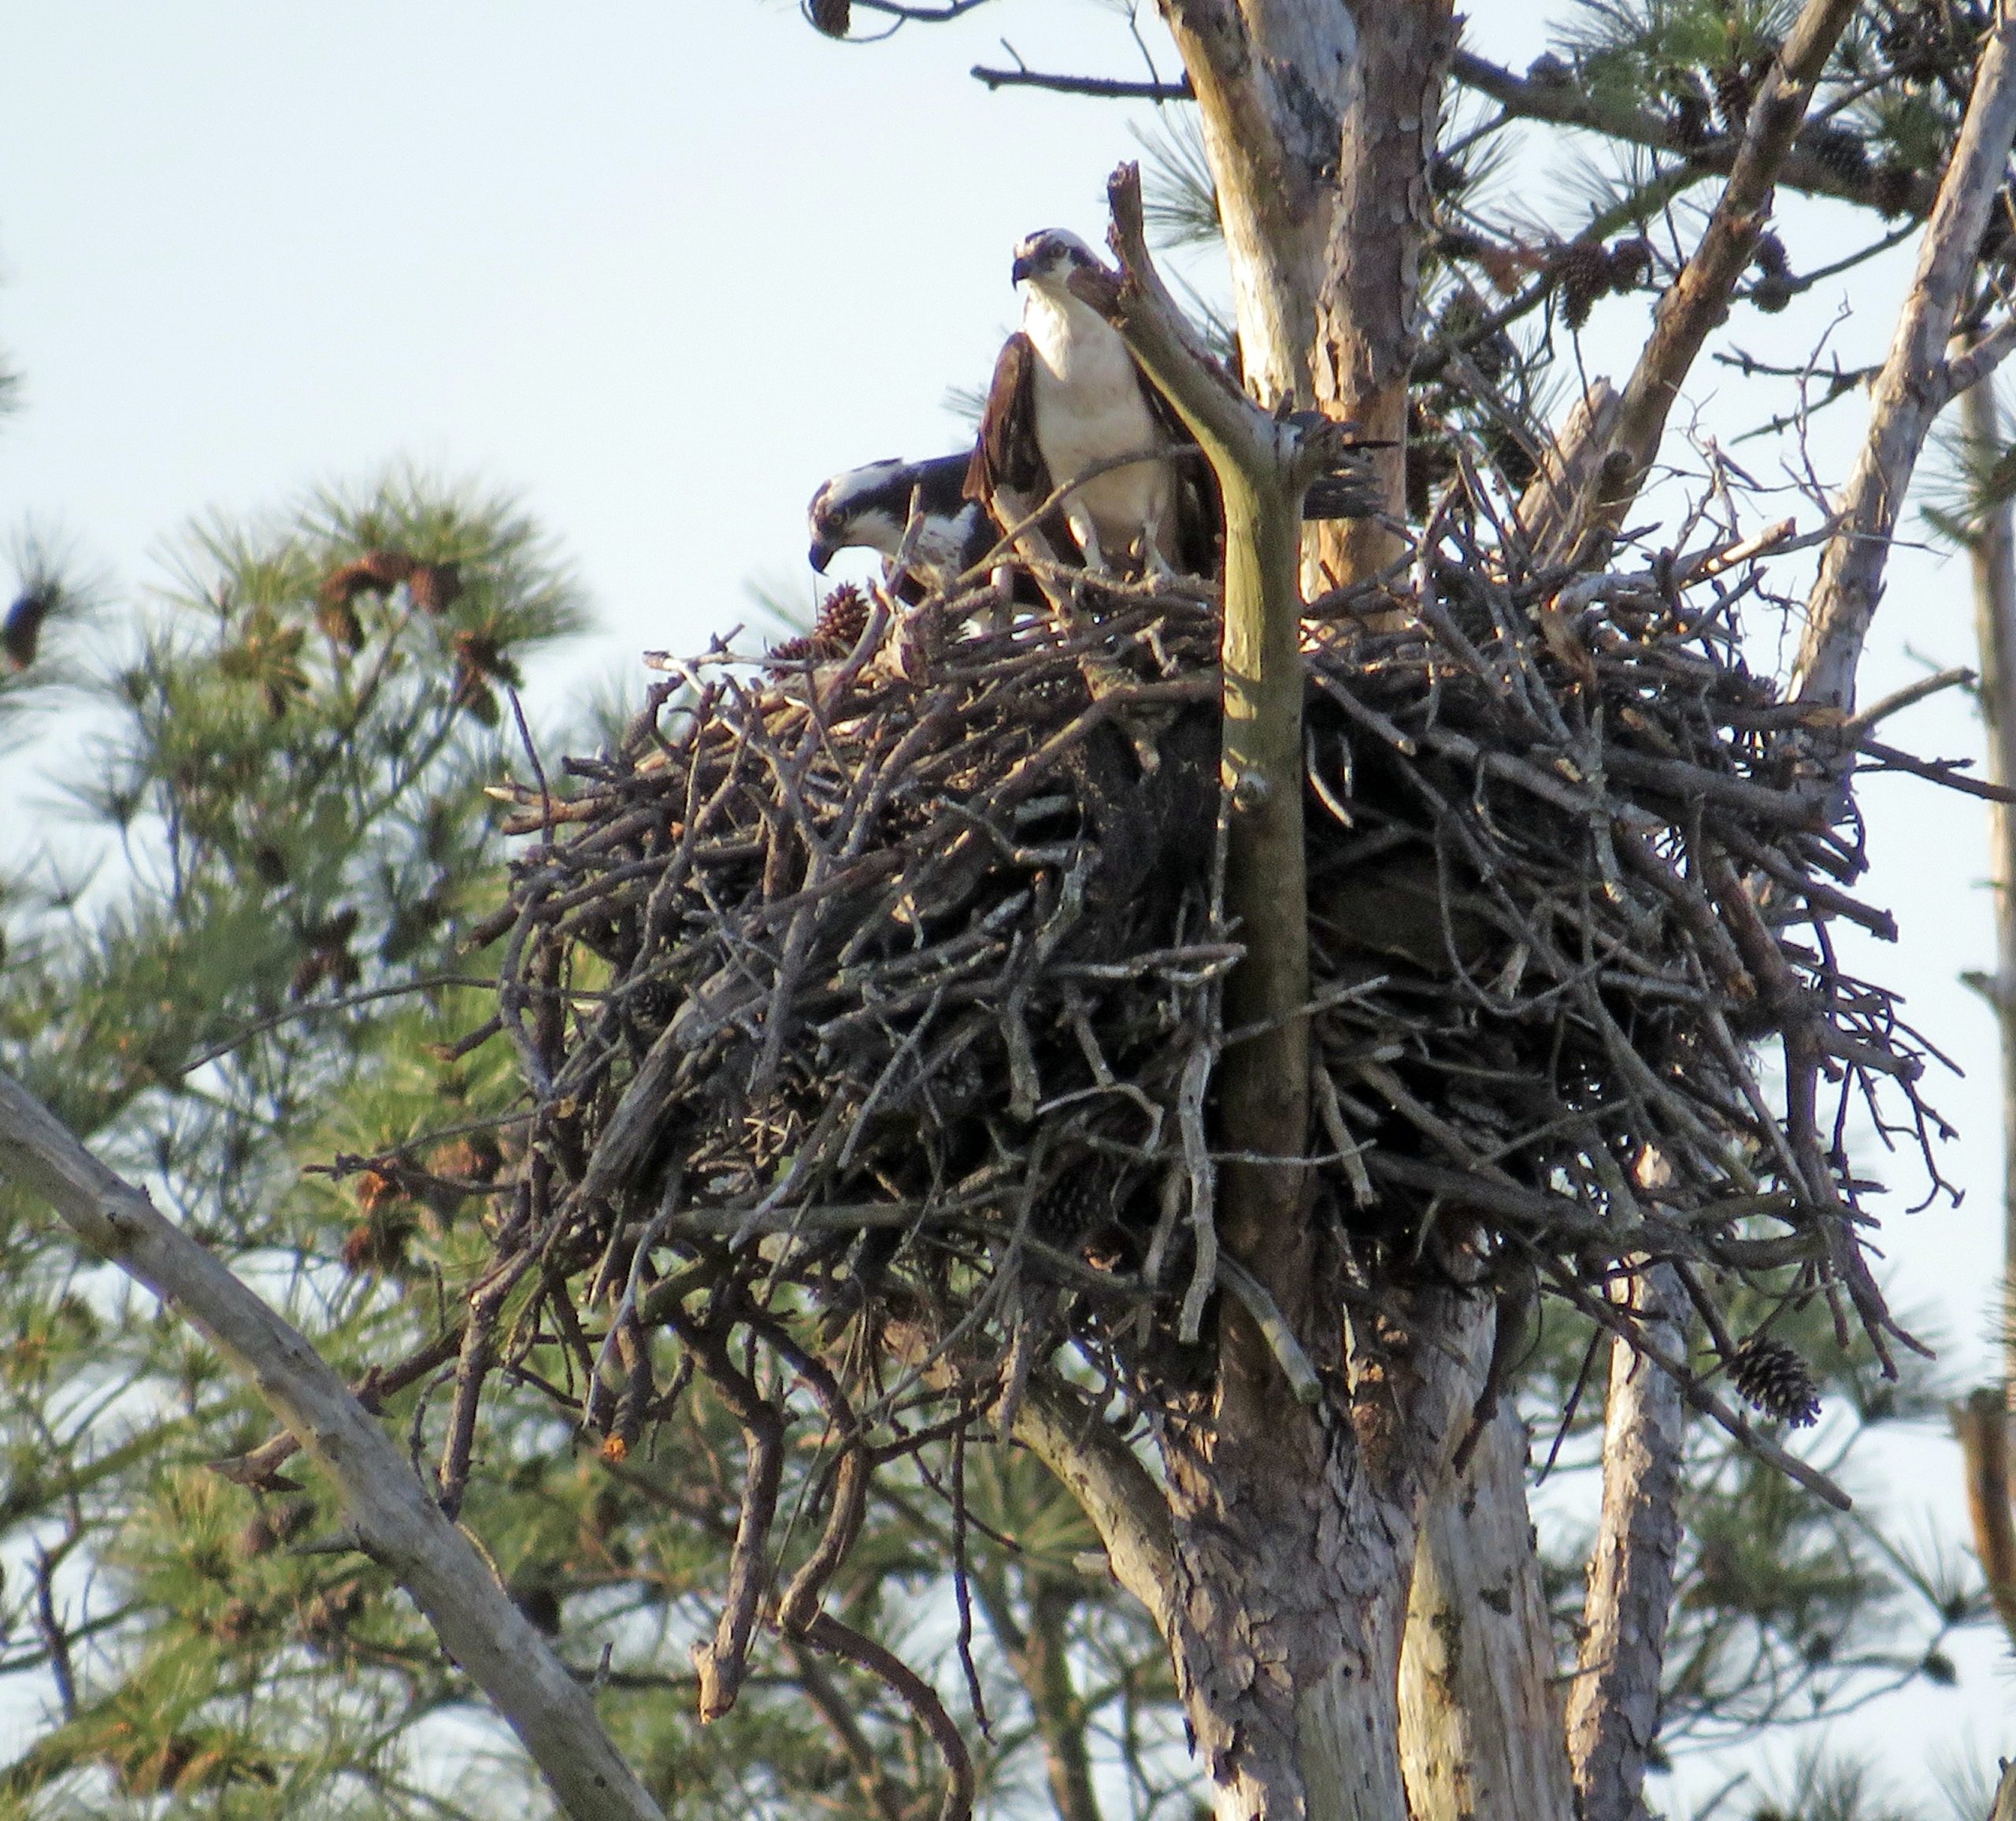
<point>291,782</point>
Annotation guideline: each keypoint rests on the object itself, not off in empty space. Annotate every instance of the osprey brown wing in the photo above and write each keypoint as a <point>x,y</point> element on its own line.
<point>1007,454</point>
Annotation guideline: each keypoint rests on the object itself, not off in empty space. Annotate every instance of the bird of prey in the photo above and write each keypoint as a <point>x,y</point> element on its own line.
<point>1067,395</point>
<point>869,507</point>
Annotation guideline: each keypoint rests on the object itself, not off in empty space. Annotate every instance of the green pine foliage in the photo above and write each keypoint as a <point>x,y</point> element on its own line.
<point>264,805</point>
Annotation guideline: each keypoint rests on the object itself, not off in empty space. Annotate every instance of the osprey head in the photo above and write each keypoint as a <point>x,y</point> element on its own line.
<point>865,506</point>
<point>1047,259</point>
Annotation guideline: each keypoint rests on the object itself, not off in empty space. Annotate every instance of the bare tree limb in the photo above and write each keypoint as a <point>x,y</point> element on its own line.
<point>1912,388</point>
<point>1697,301</point>
<point>1263,466</point>
<point>395,1521</point>
<point>1613,1704</point>
<point>1098,87</point>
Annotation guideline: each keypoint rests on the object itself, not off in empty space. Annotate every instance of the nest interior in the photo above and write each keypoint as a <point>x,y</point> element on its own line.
<point>888,964</point>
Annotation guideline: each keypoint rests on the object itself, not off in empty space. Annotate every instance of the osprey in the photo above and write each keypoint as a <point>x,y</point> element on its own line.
<point>869,508</point>
<point>1067,395</point>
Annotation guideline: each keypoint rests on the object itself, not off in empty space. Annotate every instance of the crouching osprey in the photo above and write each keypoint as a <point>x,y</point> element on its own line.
<point>1067,396</point>
<point>869,508</point>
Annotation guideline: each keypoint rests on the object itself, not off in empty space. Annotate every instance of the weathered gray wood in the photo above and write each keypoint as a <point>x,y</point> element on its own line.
<point>1481,1735</point>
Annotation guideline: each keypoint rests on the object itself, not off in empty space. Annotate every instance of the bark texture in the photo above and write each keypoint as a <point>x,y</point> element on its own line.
<point>1982,1423</point>
<point>1480,1718</point>
<point>1295,1542</point>
<point>1614,1703</point>
<point>1368,305</point>
<point>1319,120</point>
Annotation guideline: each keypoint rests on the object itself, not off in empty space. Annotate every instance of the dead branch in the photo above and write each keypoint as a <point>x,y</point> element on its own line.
<point>1613,1702</point>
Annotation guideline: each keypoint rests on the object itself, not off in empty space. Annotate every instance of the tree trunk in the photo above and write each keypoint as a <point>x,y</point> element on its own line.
<point>1368,305</point>
<point>1994,562</point>
<point>1294,1541</point>
<point>1480,1719</point>
<point>1981,1424</point>
<point>1614,1705</point>
<point>1319,130</point>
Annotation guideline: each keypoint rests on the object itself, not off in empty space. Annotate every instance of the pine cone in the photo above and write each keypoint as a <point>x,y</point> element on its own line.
<point>1841,151</point>
<point>842,618</point>
<point>337,619</point>
<point>1893,188</point>
<point>652,1004</point>
<point>435,587</point>
<point>1549,72</point>
<point>1073,1203</point>
<point>1630,259</point>
<point>832,16</point>
<point>1770,1376</point>
<point>1736,90</point>
<point>377,573</point>
<point>1692,121</point>
<point>22,630</point>
<point>1583,273</point>
<point>1769,256</point>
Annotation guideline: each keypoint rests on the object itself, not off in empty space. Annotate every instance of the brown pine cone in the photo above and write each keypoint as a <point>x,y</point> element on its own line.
<point>1770,1376</point>
<point>842,618</point>
<point>1583,273</point>
<point>832,16</point>
<point>1842,152</point>
<point>1735,85</point>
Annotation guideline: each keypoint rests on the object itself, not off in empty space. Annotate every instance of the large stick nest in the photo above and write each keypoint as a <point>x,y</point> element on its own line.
<point>886,968</point>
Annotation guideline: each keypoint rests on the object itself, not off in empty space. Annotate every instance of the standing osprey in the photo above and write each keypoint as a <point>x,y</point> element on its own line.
<point>1066,395</point>
<point>869,508</point>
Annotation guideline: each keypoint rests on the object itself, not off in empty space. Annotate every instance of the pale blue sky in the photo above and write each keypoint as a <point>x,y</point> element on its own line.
<point>660,268</point>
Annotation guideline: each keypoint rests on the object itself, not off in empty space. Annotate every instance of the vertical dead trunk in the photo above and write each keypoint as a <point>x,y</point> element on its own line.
<point>1613,1704</point>
<point>1481,1717</point>
<point>1981,1424</point>
<point>1994,563</point>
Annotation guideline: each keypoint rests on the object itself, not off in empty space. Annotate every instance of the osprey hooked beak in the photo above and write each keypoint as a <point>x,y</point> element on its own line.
<point>821,554</point>
<point>1025,267</point>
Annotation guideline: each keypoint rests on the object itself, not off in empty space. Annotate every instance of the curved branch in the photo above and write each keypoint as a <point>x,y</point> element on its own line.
<point>1112,1487</point>
<point>396,1523</point>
